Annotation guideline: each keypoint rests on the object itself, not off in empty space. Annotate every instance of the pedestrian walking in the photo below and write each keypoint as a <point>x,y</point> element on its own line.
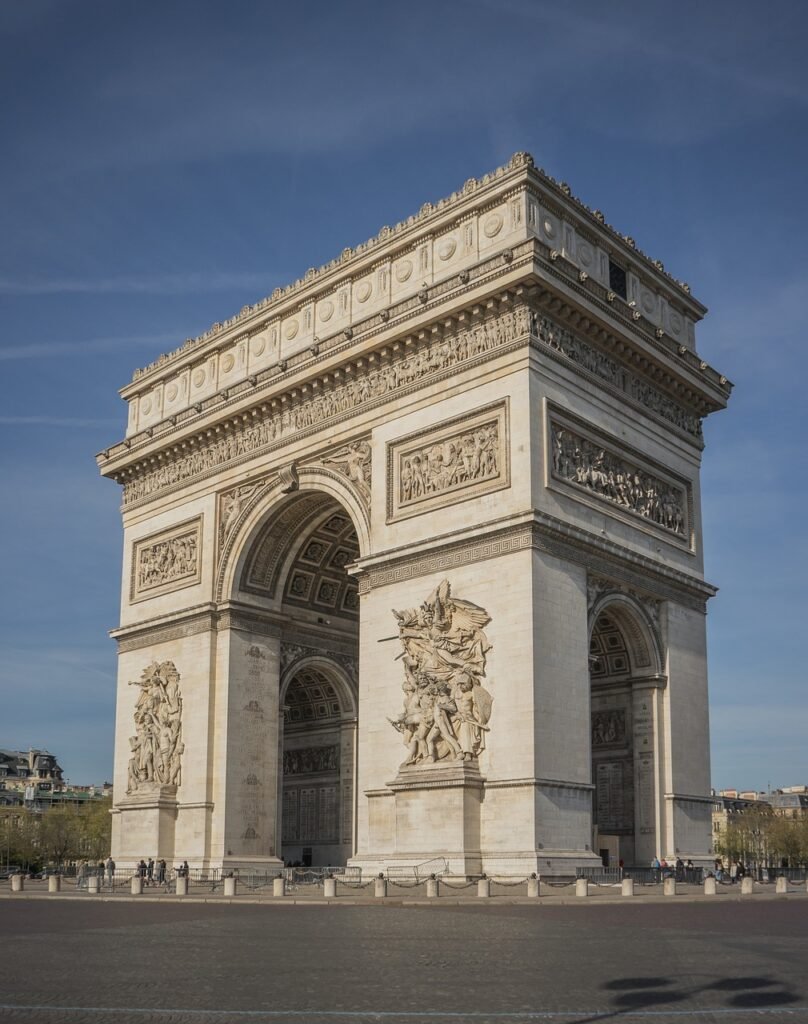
<point>110,866</point>
<point>150,872</point>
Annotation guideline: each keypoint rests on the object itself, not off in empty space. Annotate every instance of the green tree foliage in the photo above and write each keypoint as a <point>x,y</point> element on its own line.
<point>37,839</point>
<point>758,835</point>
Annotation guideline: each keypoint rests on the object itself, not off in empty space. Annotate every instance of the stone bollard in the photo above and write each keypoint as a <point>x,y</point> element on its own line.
<point>709,885</point>
<point>330,888</point>
<point>484,887</point>
<point>93,885</point>
<point>581,886</point>
<point>230,886</point>
<point>432,888</point>
<point>781,885</point>
<point>279,886</point>
<point>54,883</point>
<point>182,885</point>
<point>380,887</point>
<point>627,887</point>
<point>533,886</point>
<point>747,885</point>
<point>17,883</point>
<point>668,886</point>
<point>137,885</point>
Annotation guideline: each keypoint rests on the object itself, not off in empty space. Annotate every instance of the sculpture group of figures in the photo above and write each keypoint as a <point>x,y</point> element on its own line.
<point>167,560</point>
<point>309,760</point>
<point>439,467</point>
<point>446,708</point>
<point>432,358</point>
<point>608,727</point>
<point>586,464</point>
<point>156,747</point>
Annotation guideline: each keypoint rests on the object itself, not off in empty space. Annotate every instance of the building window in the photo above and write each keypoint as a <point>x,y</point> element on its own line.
<point>617,279</point>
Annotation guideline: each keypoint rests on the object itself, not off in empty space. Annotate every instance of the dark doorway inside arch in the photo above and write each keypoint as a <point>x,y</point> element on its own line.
<point>317,787</point>
<point>613,753</point>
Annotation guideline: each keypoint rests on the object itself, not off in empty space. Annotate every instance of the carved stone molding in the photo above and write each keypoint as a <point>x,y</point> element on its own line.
<point>599,586</point>
<point>147,634</point>
<point>461,458</point>
<point>167,561</point>
<point>438,355</point>
<point>544,532</point>
<point>586,462</point>
<point>611,372</point>
<point>292,653</point>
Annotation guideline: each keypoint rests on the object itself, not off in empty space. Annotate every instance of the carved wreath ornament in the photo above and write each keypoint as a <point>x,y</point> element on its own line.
<point>156,747</point>
<point>446,708</point>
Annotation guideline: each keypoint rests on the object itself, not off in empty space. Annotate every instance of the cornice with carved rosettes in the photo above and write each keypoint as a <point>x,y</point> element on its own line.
<point>556,195</point>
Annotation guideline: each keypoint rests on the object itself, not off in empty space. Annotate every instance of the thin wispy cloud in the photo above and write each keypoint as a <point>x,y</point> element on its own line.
<point>54,421</point>
<point>138,284</point>
<point>87,346</point>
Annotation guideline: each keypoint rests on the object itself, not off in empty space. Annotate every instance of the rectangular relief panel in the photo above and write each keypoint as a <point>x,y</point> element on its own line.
<point>167,561</point>
<point>462,458</point>
<point>602,472</point>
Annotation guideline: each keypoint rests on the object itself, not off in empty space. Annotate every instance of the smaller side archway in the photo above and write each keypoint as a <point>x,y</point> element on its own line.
<point>626,682</point>
<point>316,771</point>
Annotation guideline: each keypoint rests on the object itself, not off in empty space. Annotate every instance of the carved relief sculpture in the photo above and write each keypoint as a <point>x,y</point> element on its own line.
<point>456,460</point>
<point>437,356</point>
<point>166,561</point>
<point>310,760</point>
<point>587,464</point>
<point>231,505</point>
<point>608,727</point>
<point>354,461</point>
<point>156,748</point>
<point>446,708</point>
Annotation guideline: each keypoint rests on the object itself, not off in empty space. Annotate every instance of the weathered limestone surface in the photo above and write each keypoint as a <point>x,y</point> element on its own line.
<point>487,419</point>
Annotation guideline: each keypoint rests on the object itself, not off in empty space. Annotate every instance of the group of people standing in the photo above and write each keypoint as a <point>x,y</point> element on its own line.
<point>734,873</point>
<point>681,870</point>
<point>155,872</point>
<point>104,871</point>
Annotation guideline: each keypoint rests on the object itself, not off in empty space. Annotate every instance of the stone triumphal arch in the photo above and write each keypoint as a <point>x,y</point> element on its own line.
<point>413,562</point>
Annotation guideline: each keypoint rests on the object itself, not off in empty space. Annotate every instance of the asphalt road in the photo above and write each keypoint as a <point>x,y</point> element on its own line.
<point>75,962</point>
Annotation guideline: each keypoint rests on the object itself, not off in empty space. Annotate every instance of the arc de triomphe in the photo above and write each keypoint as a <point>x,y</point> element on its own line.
<point>413,557</point>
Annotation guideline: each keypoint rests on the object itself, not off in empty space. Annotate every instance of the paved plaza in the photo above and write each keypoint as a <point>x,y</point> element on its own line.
<point>122,961</point>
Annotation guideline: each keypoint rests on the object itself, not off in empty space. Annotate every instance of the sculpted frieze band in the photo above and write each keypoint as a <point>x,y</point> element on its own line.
<point>609,370</point>
<point>587,464</point>
<point>452,349</point>
<point>311,760</point>
<point>453,461</point>
<point>166,561</point>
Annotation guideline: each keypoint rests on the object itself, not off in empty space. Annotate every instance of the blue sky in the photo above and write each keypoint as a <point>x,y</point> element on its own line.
<point>167,162</point>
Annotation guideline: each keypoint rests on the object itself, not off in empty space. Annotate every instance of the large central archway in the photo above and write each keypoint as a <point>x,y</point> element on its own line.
<point>291,584</point>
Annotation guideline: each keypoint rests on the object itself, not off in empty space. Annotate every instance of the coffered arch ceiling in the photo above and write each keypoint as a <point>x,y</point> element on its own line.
<point>299,558</point>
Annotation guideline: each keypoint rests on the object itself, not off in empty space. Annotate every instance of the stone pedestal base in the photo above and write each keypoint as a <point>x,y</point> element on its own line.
<point>145,823</point>
<point>427,813</point>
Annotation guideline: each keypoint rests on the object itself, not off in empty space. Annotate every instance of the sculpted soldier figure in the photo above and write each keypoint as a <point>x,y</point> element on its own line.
<point>446,708</point>
<point>156,746</point>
